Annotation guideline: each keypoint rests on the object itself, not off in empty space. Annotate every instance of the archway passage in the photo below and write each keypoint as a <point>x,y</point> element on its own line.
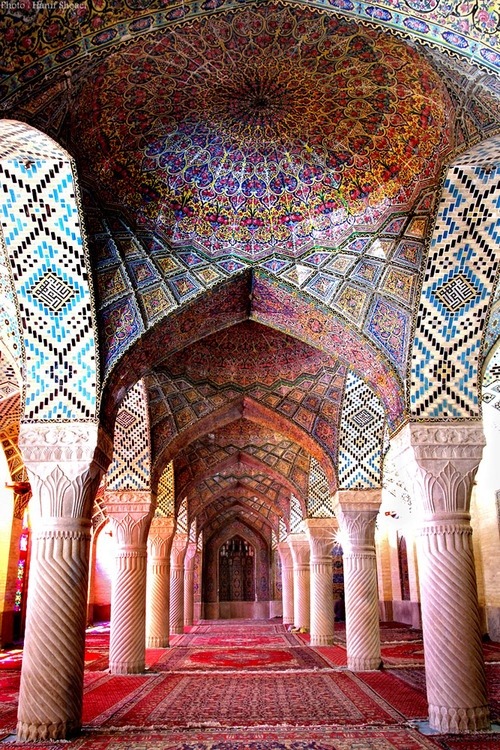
<point>236,571</point>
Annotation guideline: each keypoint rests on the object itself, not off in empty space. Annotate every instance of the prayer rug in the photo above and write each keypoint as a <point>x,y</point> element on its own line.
<point>239,658</point>
<point>200,640</point>
<point>247,699</point>
<point>493,684</point>
<point>403,653</point>
<point>334,655</point>
<point>312,738</point>
<point>409,701</point>
<point>9,694</point>
<point>486,741</point>
<point>11,659</point>
<point>104,696</point>
<point>413,676</point>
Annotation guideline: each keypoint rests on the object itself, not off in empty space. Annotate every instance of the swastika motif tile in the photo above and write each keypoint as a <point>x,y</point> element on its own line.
<point>296,515</point>
<point>361,435</point>
<point>43,237</point>
<point>458,285</point>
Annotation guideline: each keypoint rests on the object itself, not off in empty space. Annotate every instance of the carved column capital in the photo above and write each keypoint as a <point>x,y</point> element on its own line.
<point>178,551</point>
<point>285,554</point>
<point>65,463</point>
<point>190,555</point>
<point>161,534</point>
<point>357,511</point>
<point>321,535</point>
<point>300,549</point>
<point>130,513</point>
<point>444,459</point>
<point>77,443</point>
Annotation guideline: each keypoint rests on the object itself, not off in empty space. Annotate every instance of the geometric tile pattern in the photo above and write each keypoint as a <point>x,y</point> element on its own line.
<point>191,173</point>
<point>469,30</point>
<point>242,441</point>
<point>130,467</point>
<point>362,428</point>
<point>296,516</point>
<point>182,525</point>
<point>490,391</point>
<point>456,295</point>
<point>319,503</point>
<point>310,401</point>
<point>165,497</point>
<point>140,280</point>
<point>42,232</point>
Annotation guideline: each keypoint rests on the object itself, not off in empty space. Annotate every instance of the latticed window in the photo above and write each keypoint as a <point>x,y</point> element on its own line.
<point>236,571</point>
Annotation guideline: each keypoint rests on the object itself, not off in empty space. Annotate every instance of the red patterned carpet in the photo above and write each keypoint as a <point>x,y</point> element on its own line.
<point>244,685</point>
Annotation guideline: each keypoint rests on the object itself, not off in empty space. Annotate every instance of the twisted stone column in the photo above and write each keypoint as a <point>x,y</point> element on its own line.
<point>130,513</point>
<point>160,538</point>
<point>321,535</point>
<point>285,554</point>
<point>177,583</point>
<point>357,512</point>
<point>189,583</point>
<point>299,547</point>
<point>444,459</point>
<point>65,464</point>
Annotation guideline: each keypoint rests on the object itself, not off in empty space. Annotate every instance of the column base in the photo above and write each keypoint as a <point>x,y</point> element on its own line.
<point>321,640</point>
<point>125,667</point>
<point>362,664</point>
<point>177,630</point>
<point>157,642</point>
<point>31,732</point>
<point>459,720</point>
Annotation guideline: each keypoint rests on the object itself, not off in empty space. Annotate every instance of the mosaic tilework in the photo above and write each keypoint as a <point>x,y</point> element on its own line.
<point>130,466</point>
<point>492,333</point>
<point>241,441</point>
<point>490,391</point>
<point>229,507</point>
<point>240,480</point>
<point>363,423</point>
<point>458,283</point>
<point>319,504</point>
<point>298,388</point>
<point>182,525</point>
<point>165,497</point>
<point>11,344</point>
<point>296,515</point>
<point>42,235</point>
<point>283,530</point>
<point>53,39</point>
<point>386,267</point>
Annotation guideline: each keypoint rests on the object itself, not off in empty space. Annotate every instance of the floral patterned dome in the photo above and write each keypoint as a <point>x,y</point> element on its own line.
<point>258,131</point>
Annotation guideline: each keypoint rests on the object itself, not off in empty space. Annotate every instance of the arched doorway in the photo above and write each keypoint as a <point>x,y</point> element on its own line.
<point>236,571</point>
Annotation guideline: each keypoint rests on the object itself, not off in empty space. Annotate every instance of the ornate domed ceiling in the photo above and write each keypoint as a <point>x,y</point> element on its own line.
<point>264,129</point>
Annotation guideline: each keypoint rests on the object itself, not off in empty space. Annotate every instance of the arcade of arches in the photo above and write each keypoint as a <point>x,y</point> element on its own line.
<point>249,331</point>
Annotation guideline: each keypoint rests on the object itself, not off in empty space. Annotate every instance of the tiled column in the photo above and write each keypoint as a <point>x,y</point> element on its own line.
<point>130,513</point>
<point>357,512</point>
<point>177,583</point>
<point>161,533</point>
<point>189,583</point>
<point>65,464</point>
<point>443,459</point>
<point>321,535</point>
<point>299,547</point>
<point>285,554</point>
